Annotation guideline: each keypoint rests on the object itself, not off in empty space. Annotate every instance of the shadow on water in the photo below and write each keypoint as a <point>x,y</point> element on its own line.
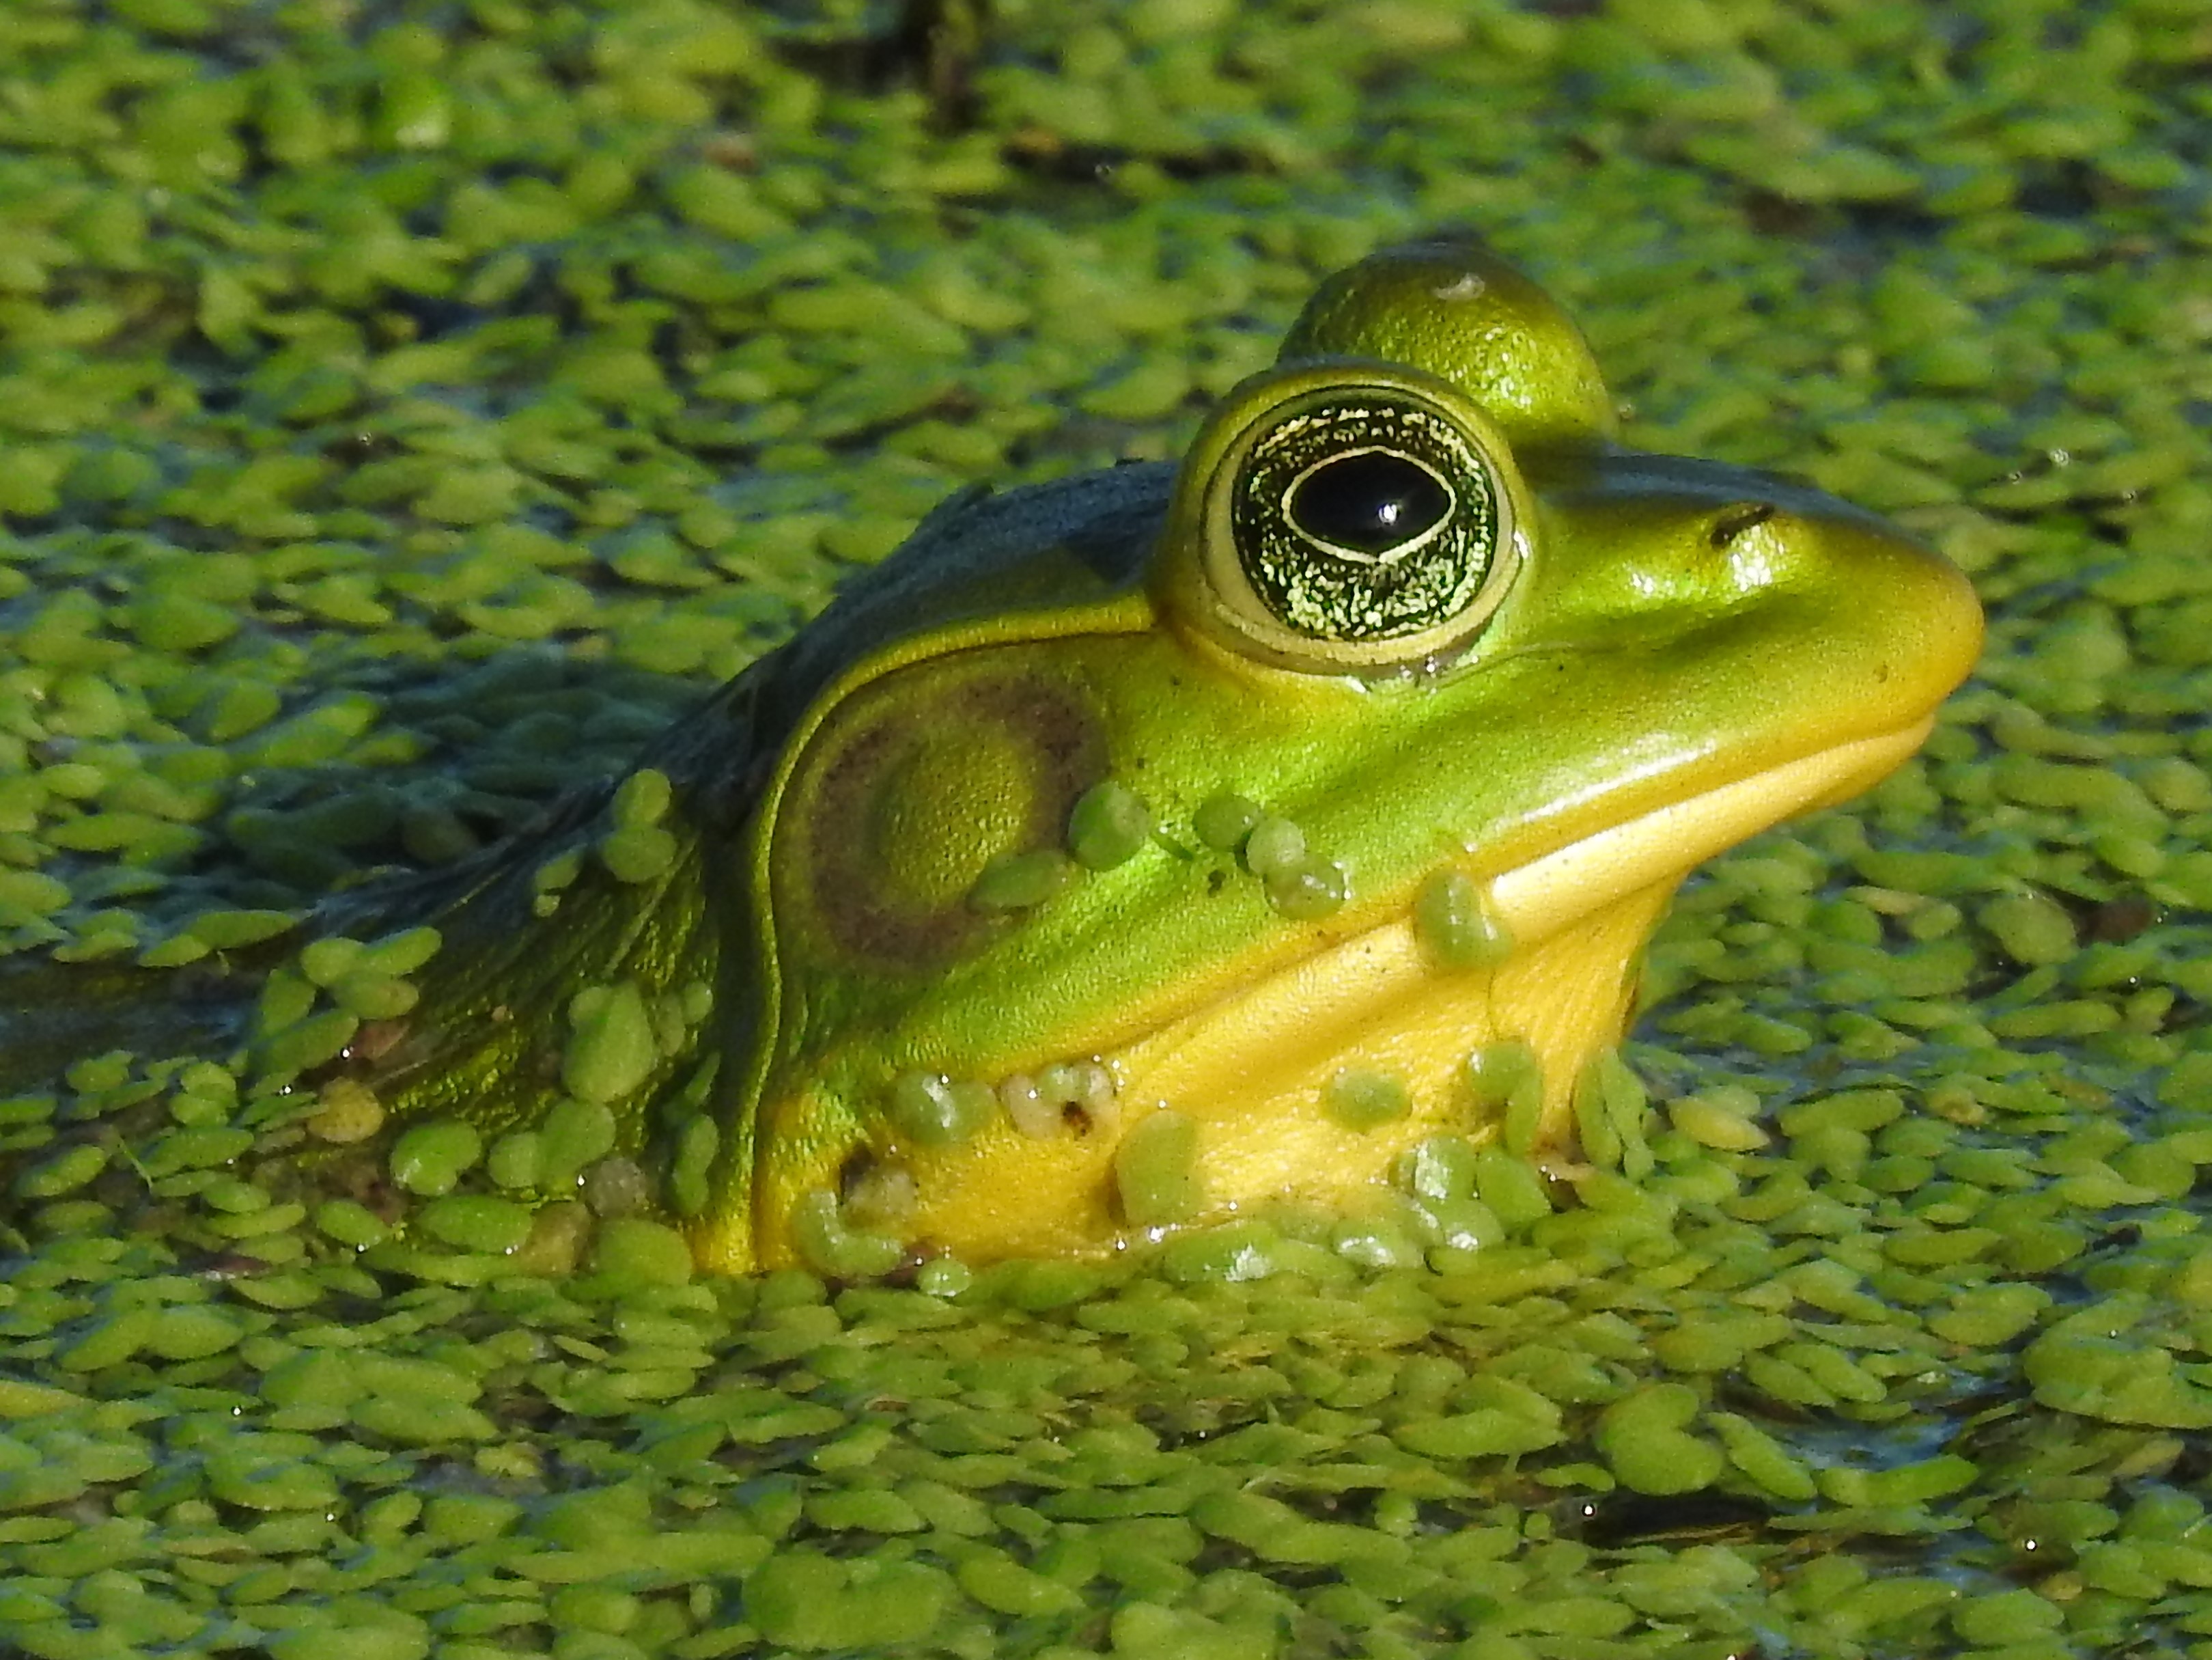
<point>451,766</point>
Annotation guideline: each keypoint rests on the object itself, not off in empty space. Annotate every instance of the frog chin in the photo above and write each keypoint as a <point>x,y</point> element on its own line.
<point>1252,1068</point>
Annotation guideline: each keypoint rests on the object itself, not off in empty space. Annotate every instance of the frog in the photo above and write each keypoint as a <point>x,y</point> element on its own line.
<point>1138,849</point>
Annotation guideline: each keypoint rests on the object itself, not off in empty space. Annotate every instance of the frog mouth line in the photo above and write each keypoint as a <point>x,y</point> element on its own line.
<point>1550,892</point>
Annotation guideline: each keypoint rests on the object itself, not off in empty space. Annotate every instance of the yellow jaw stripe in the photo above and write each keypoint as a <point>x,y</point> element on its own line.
<point>1547,894</point>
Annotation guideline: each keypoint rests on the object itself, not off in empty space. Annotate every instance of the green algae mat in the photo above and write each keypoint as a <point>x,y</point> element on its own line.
<point>405,410</point>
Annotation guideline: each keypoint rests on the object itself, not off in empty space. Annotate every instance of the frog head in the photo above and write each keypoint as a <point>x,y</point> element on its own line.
<point>1139,847</point>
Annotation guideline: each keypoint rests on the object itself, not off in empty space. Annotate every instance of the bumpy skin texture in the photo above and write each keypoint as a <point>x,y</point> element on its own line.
<point>1650,658</point>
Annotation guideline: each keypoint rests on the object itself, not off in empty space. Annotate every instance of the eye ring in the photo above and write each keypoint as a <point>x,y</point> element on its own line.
<point>1347,517</point>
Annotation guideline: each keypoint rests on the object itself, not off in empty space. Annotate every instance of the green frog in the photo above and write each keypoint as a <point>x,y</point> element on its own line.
<point>1134,849</point>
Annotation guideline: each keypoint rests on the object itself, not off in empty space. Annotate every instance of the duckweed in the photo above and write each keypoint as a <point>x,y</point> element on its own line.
<point>1609,1103</point>
<point>346,1111</point>
<point>1225,822</point>
<point>1509,1187</point>
<point>516,1160</point>
<point>1274,847</point>
<point>1454,925</point>
<point>1505,1082</point>
<point>636,1251</point>
<point>1360,1100</point>
<point>2033,930</point>
<point>833,1248</point>
<point>1155,1171</point>
<point>1021,881</point>
<point>1645,1439</point>
<point>475,1222</point>
<point>808,1600</point>
<point>637,853</point>
<point>611,1050</point>
<point>64,1172</point>
<point>1307,888</point>
<point>429,1159</point>
<point>1722,1119</point>
<point>641,800</point>
<point>576,1136</point>
<point>935,1111</point>
<point>1109,823</point>
<point>691,1165</point>
<point>320,561</point>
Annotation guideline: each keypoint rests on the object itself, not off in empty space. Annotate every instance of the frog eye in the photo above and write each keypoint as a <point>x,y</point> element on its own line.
<point>1350,525</point>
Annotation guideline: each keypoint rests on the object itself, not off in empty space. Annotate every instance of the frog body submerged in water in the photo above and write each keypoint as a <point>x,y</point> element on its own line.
<point>1130,850</point>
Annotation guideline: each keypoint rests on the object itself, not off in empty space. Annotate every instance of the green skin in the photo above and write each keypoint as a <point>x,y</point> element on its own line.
<point>1647,628</point>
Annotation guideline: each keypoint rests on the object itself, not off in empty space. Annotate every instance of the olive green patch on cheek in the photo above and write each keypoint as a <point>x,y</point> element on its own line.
<point>954,803</point>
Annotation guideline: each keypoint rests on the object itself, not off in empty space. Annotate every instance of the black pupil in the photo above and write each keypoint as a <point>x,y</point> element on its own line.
<point>1370,503</point>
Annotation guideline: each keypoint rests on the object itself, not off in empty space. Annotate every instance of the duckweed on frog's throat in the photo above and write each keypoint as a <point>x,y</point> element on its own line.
<point>1127,849</point>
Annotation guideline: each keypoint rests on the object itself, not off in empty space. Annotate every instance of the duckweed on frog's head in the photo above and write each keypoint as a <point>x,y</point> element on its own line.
<point>1129,849</point>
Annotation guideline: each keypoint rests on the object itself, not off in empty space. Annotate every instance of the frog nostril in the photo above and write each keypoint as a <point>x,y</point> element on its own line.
<point>1734,521</point>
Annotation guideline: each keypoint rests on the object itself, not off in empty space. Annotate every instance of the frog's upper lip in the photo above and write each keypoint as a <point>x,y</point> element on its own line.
<point>1551,892</point>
